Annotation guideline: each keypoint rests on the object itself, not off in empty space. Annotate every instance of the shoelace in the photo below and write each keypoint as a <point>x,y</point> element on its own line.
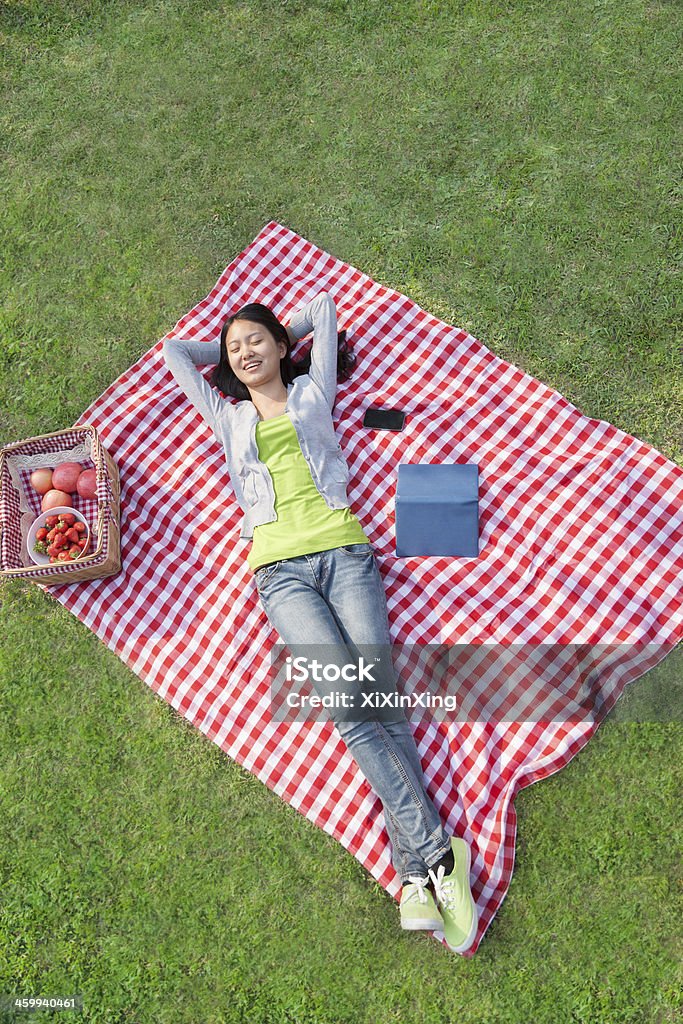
<point>421,884</point>
<point>444,890</point>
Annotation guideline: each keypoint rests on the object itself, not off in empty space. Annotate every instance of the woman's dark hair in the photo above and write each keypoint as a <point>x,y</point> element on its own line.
<point>224,378</point>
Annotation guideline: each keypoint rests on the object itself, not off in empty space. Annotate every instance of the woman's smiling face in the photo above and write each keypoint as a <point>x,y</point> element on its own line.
<point>253,353</point>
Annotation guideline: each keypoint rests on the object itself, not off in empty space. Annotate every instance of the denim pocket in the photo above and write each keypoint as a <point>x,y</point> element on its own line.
<point>356,549</point>
<point>265,573</point>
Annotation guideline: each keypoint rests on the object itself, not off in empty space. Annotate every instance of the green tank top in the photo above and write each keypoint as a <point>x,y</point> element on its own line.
<point>305,523</point>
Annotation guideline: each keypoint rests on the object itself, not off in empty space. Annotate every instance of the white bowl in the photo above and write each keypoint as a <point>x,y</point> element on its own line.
<point>39,522</point>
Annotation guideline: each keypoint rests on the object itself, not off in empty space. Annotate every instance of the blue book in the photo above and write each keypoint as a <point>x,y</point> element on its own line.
<point>437,509</point>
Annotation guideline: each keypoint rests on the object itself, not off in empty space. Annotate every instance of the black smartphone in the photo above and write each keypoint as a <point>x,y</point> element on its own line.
<point>384,419</point>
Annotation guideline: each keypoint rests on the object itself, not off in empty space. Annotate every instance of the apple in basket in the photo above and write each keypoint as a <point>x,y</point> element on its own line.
<point>58,535</point>
<point>57,485</point>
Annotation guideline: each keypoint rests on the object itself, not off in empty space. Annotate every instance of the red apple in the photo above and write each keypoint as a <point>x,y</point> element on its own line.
<point>87,484</point>
<point>65,475</point>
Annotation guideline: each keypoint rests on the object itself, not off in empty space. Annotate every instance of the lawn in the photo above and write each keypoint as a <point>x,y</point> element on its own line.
<point>513,167</point>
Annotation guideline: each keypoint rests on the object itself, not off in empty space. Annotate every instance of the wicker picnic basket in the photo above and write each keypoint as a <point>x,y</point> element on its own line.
<point>20,504</point>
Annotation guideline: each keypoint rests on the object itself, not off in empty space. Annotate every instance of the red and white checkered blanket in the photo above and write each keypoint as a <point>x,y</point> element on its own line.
<point>580,543</point>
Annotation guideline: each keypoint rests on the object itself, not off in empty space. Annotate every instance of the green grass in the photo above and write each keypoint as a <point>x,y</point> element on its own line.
<point>510,166</point>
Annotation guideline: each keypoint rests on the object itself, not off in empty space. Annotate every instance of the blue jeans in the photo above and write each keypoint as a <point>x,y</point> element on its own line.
<point>336,597</point>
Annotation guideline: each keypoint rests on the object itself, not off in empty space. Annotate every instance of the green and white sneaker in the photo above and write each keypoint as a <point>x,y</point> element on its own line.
<point>454,899</point>
<point>418,909</point>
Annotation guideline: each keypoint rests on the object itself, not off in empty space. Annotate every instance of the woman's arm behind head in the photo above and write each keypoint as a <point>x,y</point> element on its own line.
<point>329,358</point>
<point>183,357</point>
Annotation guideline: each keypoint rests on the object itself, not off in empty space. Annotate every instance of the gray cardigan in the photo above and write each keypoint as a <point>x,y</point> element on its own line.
<point>310,401</point>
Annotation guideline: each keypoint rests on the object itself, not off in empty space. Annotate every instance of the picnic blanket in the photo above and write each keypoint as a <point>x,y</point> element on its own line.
<point>580,561</point>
